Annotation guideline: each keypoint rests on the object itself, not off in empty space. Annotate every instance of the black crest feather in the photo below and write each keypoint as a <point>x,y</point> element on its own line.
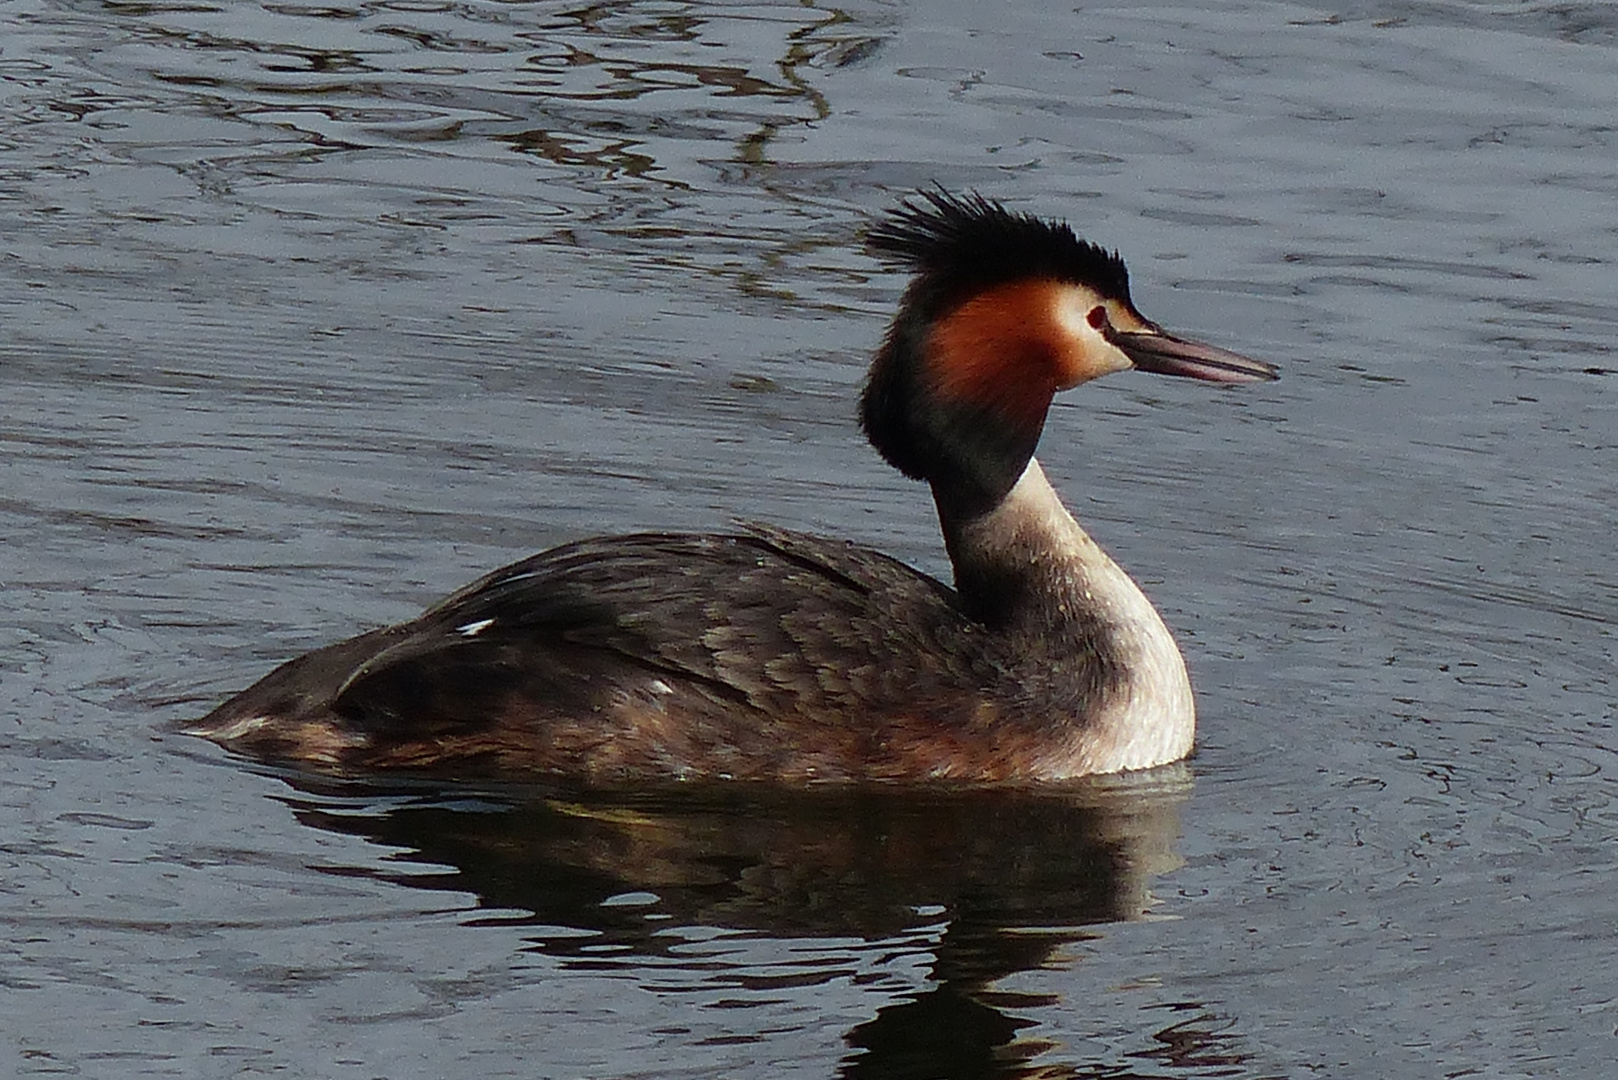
<point>958,246</point>
<point>962,244</point>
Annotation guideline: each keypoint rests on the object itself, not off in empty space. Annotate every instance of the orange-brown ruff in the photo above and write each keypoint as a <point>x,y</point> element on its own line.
<point>779,656</point>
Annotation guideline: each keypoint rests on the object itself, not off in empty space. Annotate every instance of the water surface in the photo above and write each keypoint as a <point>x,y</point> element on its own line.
<point>315,312</point>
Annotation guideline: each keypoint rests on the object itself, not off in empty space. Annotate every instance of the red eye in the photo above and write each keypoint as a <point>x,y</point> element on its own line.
<point>1097,318</point>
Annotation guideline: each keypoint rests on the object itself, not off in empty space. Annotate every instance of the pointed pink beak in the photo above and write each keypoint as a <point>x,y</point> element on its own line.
<point>1164,354</point>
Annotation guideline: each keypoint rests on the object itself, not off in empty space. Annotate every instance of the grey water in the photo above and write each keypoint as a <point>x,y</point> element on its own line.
<point>311,313</point>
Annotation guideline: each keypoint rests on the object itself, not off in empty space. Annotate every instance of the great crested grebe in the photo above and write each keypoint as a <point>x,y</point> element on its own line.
<point>780,656</point>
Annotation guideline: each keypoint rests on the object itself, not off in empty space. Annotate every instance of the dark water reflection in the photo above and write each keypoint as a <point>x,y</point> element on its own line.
<point>983,883</point>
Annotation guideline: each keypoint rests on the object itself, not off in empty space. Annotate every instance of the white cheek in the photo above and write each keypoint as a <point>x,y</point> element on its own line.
<point>1091,355</point>
<point>1073,316</point>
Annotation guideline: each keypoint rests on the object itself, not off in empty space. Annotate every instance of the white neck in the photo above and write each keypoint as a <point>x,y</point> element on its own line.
<point>1079,618</point>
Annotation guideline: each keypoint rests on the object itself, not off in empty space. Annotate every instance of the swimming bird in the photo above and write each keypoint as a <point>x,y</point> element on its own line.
<point>766,654</point>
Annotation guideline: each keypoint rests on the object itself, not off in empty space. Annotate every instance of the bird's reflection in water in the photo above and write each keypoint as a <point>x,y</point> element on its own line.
<point>1009,875</point>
